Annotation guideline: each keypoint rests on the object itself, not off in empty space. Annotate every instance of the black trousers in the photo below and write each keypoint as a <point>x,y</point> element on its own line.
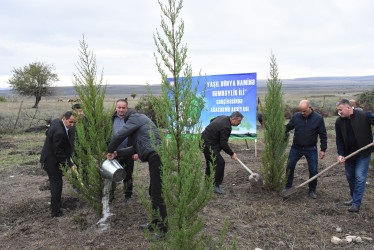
<point>55,183</point>
<point>128,165</point>
<point>155,191</point>
<point>219,165</point>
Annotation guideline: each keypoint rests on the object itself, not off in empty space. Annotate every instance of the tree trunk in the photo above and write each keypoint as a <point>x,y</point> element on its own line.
<point>37,100</point>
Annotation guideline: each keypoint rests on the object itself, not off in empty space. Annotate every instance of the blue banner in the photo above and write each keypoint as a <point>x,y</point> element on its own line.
<point>226,94</point>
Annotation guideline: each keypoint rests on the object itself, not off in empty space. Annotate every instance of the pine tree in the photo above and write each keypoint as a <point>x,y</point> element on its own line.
<point>93,132</point>
<point>185,190</point>
<point>273,157</point>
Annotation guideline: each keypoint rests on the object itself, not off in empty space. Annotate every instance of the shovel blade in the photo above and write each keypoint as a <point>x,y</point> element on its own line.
<point>254,177</point>
<point>288,192</point>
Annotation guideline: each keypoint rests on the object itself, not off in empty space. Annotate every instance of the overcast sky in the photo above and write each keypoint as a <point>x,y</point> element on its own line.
<point>308,37</point>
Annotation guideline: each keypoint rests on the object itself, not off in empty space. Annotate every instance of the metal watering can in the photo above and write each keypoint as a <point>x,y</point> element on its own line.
<point>111,169</point>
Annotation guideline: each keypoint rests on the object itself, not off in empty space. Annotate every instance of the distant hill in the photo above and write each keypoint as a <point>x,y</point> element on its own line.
<point>337,78</point>
<point>328,80</point>
<point>320,85</point>
<point>119,91</point>
<point>114,90</point>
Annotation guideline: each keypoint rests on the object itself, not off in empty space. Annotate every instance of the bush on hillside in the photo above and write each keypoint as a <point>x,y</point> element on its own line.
<point>366,100</point>
<point>289,111</point>
<point>144,106</point>
<point>325,112</point>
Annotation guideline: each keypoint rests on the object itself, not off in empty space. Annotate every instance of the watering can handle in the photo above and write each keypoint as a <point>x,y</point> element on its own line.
<point>244,166</point>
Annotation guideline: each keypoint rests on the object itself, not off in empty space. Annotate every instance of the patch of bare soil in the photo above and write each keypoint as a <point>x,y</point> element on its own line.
<point>6,145</point>
<point>257,218</point>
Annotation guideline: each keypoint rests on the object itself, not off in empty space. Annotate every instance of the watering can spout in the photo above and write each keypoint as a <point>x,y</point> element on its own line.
<point>111,169</point>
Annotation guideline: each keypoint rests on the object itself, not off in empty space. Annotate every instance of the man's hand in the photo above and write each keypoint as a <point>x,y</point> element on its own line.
<point>321,154</point>
<point>135,157</point>
<point>234,156</point>
<point>110,156</point>
<point>341,159</point>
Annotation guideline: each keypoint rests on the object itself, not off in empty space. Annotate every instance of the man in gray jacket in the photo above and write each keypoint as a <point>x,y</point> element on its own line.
<point>137,129</point>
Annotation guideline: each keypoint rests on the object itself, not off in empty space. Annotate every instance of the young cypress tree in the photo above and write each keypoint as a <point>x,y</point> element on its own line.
<point>186,191</point>
<point>93,132</point>
<point>273,157</point>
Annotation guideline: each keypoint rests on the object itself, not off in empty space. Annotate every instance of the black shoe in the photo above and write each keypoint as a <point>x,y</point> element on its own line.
<point>157,237</point>
<point>348,203</point>
<point>58,214</point>
<point>147,226</point>
<point>218,190</point>
<point>128,200</point>
<point>313,194</point>
<point>76,190</point>
<point>354,208</point>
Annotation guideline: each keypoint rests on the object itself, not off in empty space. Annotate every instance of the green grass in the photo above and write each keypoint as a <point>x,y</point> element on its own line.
<point>19,149</point>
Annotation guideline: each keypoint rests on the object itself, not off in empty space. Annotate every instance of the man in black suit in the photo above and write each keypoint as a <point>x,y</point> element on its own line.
<point>57,151</point>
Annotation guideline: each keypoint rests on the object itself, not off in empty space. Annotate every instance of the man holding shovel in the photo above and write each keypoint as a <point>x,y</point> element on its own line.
<point>353,131</point>
<point>308,126</point>
<point>216,136</point>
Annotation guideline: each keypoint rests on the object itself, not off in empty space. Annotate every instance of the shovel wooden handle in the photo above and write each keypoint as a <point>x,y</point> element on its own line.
<point>244,166</point>
<point>333,165</point>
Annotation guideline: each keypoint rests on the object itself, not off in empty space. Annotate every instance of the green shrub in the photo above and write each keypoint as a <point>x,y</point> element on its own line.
<point>366,100</point>
<point>145,106</point>
<point>273,157</point>
<point>3,99</point>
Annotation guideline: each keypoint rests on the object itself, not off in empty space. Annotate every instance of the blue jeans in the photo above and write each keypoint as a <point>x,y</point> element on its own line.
<point>356,171</point>
<point>311,156</point>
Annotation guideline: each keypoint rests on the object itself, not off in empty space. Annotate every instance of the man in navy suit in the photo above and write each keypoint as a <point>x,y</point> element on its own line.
<point>57,151</point>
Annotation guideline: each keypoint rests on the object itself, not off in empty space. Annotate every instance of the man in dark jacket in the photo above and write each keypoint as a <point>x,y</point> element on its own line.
<point>308,126</point>
<point>74,137</point>
<point>216,136</point>
<point>57,151</point>
<point>137,129</point>
<point>353,131</point>
<point>127,162</point>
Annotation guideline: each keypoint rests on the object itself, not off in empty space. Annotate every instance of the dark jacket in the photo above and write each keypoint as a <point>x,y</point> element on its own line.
<point>57,148</point>
<point>216,134</point>
<point>307,130</point>
<point>354,133</point>
<point>137,128</point>
<point>73,136</point>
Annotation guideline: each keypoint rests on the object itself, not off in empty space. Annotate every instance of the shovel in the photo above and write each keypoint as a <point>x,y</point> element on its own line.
<point>294,189</point>
<point>252,176</point>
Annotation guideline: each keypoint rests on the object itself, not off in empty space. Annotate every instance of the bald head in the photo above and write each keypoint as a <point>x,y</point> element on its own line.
<point>305,108</point>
